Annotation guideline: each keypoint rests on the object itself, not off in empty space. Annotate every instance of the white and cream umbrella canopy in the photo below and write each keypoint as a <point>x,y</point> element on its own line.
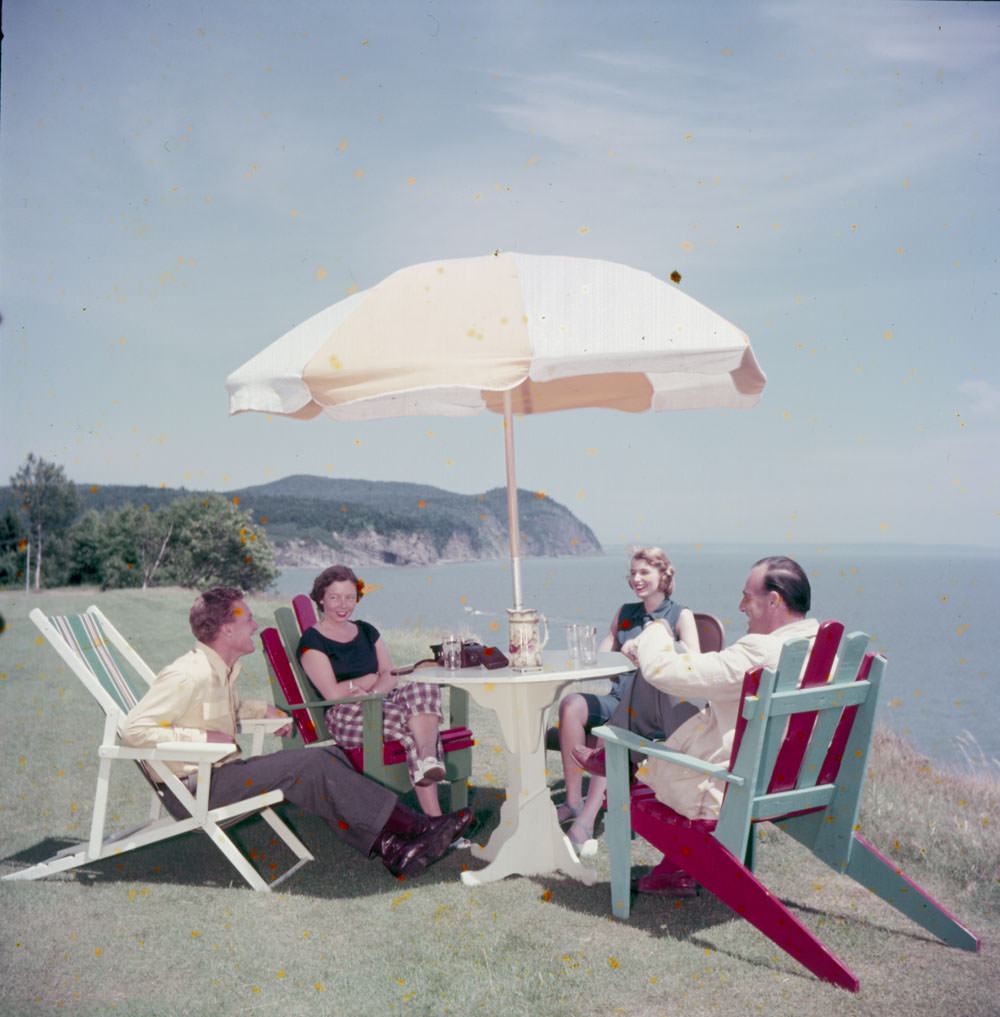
<point>511,333</point>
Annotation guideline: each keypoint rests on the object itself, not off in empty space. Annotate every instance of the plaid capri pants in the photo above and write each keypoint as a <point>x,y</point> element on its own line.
<point>346,725</point>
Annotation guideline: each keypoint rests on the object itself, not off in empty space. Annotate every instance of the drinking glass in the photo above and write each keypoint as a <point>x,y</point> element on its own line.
<point>573,642</point>
<point>586,637</point>
<point>451,652</point>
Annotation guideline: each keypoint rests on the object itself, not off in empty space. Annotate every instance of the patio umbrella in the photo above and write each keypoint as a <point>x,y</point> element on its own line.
<point>510,333</point>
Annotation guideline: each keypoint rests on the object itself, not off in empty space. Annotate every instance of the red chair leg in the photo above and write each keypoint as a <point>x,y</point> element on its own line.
<point>722,874</point>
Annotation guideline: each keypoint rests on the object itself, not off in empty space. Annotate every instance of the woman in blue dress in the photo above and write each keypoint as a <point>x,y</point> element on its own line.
<point>651,578</point>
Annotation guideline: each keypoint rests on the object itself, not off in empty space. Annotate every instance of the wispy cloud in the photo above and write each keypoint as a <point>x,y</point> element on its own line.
<point>943,35</point>
<point>776,110</point>
<point>983,396</point>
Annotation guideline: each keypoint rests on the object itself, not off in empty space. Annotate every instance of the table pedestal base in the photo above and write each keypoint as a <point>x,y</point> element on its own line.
<point>528,842</point>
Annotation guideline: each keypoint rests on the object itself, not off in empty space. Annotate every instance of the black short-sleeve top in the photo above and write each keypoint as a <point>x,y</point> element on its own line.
<point>349,660</point>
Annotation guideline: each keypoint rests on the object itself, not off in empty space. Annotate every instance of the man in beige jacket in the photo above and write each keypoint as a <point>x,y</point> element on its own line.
<point>775,600</point>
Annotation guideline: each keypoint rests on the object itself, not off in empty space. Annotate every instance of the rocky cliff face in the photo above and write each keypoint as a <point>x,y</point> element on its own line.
<point>395,524</point>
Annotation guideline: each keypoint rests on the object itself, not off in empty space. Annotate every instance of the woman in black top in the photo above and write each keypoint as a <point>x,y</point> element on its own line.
<point>345,658</point>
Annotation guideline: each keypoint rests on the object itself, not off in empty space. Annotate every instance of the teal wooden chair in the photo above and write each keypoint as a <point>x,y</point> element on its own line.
<point>799,760</point>
<point>117,677</point>
<point>382,761</point>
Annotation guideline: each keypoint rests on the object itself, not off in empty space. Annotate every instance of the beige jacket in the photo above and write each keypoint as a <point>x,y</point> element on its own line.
<point>192,695</point>
<point>717,677</point>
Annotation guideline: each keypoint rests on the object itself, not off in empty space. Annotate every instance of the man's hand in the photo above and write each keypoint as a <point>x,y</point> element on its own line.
<point>219,736</point>
<point>631,646</point>
<point>630,650</point>
<point>273,711</point>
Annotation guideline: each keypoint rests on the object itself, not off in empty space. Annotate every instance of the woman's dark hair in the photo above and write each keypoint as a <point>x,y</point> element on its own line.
<point>334,574</point>
<point>212,610</point>
<point>787,578</point>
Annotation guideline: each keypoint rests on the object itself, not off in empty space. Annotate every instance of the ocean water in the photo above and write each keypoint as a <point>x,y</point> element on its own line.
<point>931,610</point>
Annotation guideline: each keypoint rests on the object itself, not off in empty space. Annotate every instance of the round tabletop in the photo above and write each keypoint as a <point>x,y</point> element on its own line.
<point>556,666</point>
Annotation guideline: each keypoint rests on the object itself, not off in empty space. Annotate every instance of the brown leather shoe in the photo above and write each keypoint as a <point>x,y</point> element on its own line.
<point>406,822</point>
<point>409,857</point>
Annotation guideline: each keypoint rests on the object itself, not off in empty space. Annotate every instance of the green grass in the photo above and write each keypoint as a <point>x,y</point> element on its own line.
<point>170,930</point>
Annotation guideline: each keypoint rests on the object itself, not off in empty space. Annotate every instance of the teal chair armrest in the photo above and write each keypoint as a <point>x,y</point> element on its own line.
<point>617,739</point>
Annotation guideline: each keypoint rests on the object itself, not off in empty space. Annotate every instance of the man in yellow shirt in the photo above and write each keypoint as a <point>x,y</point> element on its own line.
<point>195,699</point>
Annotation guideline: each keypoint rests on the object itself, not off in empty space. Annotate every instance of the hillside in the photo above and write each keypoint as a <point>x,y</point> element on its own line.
<point>311,520</point>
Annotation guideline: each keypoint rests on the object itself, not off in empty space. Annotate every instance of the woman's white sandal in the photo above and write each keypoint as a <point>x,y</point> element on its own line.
<point>429,771</point>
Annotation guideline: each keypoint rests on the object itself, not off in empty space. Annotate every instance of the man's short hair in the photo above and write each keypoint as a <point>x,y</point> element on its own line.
<point>212,610</point>
<point>787,578</point>
<point>656,558</point>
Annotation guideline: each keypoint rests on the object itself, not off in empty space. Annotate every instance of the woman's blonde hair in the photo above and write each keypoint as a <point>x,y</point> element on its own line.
<point>656,558</point>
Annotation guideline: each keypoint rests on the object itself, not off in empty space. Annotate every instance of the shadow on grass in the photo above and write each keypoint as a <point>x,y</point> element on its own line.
<point>338,872</point>
<point>698,921</point>
<point>675,920</point>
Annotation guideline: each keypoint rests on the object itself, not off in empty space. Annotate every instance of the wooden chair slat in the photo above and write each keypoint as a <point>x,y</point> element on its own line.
<point>305,611</point>
<point>831,764</point>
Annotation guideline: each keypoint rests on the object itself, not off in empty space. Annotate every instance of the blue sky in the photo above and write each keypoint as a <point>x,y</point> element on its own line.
<point>184,182</point>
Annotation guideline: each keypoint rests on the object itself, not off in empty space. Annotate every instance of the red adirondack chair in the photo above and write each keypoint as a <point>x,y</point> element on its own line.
<point>382,761</point>
<point>799,760</point>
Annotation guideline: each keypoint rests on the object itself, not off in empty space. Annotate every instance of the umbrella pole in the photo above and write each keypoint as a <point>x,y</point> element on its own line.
<point>513,526</point>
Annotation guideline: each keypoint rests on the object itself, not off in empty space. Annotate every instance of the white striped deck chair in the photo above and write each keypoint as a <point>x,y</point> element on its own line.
<point>117,677</point>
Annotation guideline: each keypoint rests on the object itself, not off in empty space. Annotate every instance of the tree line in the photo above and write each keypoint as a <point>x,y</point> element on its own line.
<point>198,541</point>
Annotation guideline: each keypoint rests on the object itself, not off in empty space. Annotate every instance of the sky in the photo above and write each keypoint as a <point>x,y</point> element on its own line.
<point>181,183</point>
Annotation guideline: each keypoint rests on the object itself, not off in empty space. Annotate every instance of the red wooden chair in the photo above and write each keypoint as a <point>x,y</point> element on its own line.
<point>382,761</point>
<point>799,760</point>
<point>711,634</point>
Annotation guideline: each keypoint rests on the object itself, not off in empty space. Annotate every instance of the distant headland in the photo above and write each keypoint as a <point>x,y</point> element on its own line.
<point>313,521</point>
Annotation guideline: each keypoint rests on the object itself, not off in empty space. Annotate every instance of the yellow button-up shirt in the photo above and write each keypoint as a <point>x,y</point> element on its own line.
<point>193,695</point>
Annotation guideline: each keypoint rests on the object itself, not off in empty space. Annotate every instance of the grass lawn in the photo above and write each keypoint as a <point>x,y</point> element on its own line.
<point>171,930</point>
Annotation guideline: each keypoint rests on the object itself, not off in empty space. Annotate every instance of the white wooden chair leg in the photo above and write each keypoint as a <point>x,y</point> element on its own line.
<point>100,808</point>
<point>285,832</point>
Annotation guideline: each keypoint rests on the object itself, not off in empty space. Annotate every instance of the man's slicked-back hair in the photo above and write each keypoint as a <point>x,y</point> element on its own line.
<point>789,580</point>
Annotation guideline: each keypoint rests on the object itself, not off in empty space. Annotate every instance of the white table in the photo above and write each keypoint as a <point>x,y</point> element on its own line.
<point>528,840</point>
